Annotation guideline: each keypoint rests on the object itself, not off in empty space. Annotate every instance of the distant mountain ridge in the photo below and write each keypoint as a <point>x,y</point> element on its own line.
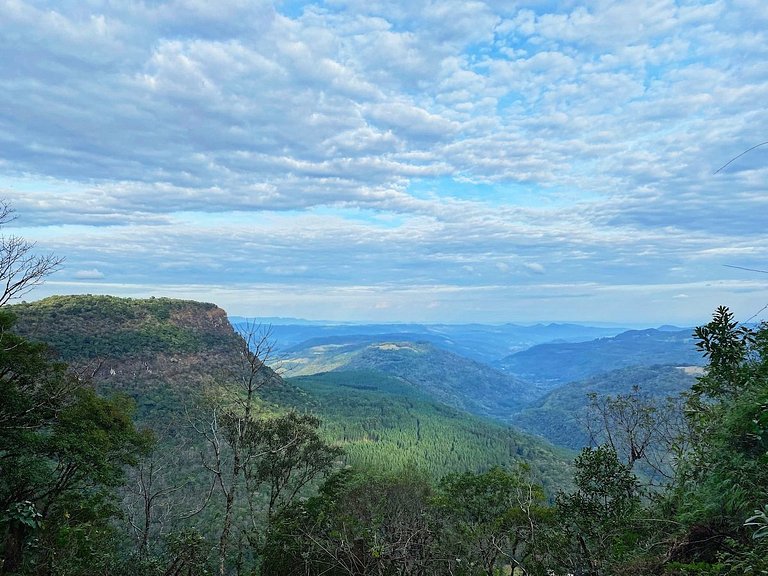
<point>551,365</point>
<point>486,343</point>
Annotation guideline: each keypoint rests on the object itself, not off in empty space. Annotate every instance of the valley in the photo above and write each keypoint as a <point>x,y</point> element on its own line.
<point>419,412</point>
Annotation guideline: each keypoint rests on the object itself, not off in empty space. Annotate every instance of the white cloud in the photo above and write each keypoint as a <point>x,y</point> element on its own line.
<point>92,274</point>
<point>178,142</point>
<point>534,267</point>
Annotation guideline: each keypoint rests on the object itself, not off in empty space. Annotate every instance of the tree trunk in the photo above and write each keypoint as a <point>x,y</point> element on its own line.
<point>13,547</point>
<point>225,531</point>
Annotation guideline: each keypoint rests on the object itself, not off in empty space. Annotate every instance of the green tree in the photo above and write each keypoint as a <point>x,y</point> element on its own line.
<point>597,519</point>
<point>289,455</point>
<point>722,479</point>
<point>487,521</point>
<point>358,524</point>
<point>63,450</point>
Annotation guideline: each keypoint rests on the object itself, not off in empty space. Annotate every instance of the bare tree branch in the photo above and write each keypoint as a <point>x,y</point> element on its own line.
<point>20,268</point>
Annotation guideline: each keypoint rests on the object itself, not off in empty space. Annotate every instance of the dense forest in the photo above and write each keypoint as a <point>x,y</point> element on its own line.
<point>173,446</point>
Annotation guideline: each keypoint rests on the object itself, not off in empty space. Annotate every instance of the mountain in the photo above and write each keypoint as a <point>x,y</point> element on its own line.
<point>486,343</point>
<point>160,351</point>
<point>165,353</point>
<point>559,416</point>
<point>553,364</point>
<point>455,380</point>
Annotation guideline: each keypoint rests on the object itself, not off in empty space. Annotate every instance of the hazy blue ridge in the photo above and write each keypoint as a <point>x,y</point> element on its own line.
<point>553,364</point>
<point>482,342</point>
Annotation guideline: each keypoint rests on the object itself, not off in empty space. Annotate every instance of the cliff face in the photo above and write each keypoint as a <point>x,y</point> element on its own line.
<point>158,350</point>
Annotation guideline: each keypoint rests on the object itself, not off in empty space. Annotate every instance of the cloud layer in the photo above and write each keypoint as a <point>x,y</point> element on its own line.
<point>449,161</point>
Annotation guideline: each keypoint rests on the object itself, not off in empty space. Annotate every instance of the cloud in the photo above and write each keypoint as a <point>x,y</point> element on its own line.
<point>390,144</point>
<point>534,267</point>
<point>92,274</point>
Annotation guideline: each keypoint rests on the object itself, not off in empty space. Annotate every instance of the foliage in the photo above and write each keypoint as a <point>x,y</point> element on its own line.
<point>598,518</point>
<point>383,422</point>
<point>722,478</point>
<point>63,449</point>
<point>760,521</point>
<point>291,455</point>
<point>561,414</point>
<point>88,327</point>
<point>470,524</point>
<point>488,522</point>
<point>357,524</point>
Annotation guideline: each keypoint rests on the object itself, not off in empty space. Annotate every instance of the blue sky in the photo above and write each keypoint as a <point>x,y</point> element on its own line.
<point>431,161</point>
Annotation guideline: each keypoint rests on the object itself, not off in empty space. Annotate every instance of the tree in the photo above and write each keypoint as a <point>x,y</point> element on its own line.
<point>488,521</point>
<point>156,497</point>
<point>597,518</point>
<point>63,450</point>
<point>291,454</point>
<point>360,523</point>
<point>722,479</point>
<point>229,427</point>
<point>727,346</point>
<point>647,434</point>
<point>20,268</point>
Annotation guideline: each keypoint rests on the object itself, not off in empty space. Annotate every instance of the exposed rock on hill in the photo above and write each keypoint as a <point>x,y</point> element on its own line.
<point>153,349</point>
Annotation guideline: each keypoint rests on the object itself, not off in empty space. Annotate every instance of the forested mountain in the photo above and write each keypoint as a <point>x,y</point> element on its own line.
<point>561,415</point>
<point>383,421</point>
<point>245,480</point>
<point>389,401</point>
<point>448,377</point>
<point>159,350</point>
<point>550,365</point>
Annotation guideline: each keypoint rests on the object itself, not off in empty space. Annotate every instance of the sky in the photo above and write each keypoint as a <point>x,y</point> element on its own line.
<point>383,160</point>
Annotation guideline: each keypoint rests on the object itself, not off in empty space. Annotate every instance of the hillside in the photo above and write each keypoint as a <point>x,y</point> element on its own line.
<point>551,365</point>
<point>559,416</point>
<point>455,380</point>
<point>164,352</point>
<point>383,421</point>
<point>157,350</point>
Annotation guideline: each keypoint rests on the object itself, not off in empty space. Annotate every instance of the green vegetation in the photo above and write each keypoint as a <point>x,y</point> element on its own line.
<point>383,422</point>
<point>366,471</point>
<point>562,414</point>
<point>62,455</point>
<point>454,380</point>
<point>89,327</point>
